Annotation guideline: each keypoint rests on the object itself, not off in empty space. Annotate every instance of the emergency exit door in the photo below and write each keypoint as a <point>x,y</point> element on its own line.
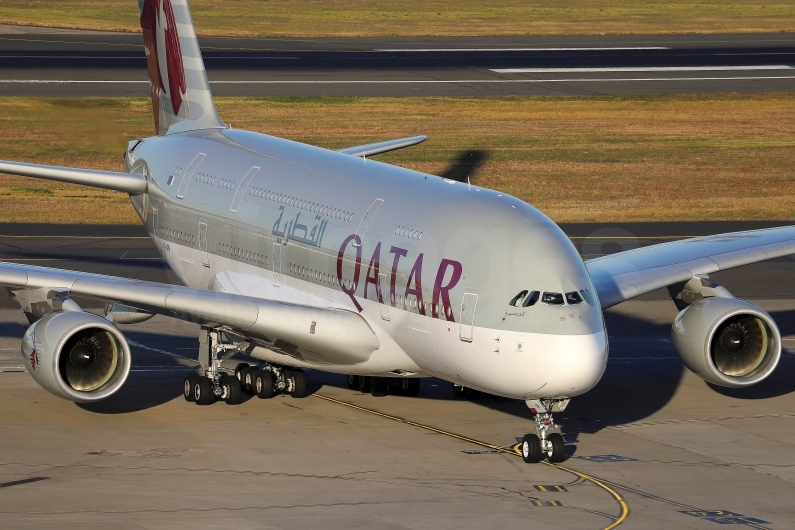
<point>468,305</point>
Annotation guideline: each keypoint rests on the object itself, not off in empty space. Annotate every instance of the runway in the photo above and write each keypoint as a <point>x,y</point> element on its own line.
<point>39,62</point>
<point>651,446</point>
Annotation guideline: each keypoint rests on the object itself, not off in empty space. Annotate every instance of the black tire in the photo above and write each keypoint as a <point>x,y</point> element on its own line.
<point>247,383</point>
<point>353,382</point>
<point>557,454</point>
<point>299,384</point>
<point>263,384</point>
<point>204,391</point>
<point>379,386</point>
<point>188,391</point>
<point>234,391</point>
<point>364,384</point>
<point>239,371</point>
<point>531,449</point>
<point>412,387</point>
<point>458,390</point>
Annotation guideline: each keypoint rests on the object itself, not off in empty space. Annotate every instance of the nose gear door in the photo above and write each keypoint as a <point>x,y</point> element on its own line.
<point>468,305</point>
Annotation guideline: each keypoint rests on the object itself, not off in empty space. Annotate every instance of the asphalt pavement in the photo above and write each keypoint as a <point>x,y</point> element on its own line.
<point>651,446</point>
<point>37,61</point>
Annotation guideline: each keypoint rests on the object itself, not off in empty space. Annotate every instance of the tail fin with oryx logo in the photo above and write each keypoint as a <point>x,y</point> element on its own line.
<point>181,97</point>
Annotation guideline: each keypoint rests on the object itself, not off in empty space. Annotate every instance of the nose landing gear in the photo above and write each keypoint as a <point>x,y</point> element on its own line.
<point>535,446</point>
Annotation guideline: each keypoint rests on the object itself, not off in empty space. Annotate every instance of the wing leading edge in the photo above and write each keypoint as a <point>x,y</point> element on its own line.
<point>331,335</point>
<point>625,275</point>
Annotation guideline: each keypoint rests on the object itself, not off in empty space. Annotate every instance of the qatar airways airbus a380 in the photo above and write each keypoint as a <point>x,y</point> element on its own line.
<point>301,257</point>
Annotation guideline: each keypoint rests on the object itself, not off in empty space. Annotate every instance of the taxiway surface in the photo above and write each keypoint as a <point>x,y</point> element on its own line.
<point>651,446</point>
<point>46,62</point>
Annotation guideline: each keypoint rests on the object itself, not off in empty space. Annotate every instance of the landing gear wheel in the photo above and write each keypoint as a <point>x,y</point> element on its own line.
<point>557,447</point>
<point>531,449</point>
<point>187,390</point>
<point>203,389</point>
<point>379,386</point>
<point>233,390</point>
<point>263,384</point>
<point>364,384</point>
<point>247,383</point>
<point>412,387</point>
<point>239,369</point>
<point>353,382</point>
<point>299,384</point>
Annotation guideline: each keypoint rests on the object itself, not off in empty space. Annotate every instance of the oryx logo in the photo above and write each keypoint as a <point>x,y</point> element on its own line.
<point>34,359</point>
<point>163,56</point>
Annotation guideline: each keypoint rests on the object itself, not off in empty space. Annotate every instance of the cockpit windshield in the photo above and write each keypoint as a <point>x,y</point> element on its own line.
<point>573,298</point>
<point>552,298</point>
<point>528,298</point>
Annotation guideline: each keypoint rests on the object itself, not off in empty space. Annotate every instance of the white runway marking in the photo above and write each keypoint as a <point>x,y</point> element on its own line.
<point>640,69</point>
<point>521,49</point>
<point>401,81</point>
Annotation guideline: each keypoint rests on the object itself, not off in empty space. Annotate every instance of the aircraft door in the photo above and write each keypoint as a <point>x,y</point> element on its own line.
<point>153,220</point>
<point>361,230</point>
<point>383,303</point>
<point>468,305</point>
<point>188,174</point>
<point>203,244</point>
<point>277,263</point>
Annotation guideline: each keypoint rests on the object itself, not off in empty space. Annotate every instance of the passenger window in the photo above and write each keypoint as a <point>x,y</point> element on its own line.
<point>573,298</point>
<point>552,298</point>
<point>517,300</point>
<point>531,299</point>
<point>588,297</point>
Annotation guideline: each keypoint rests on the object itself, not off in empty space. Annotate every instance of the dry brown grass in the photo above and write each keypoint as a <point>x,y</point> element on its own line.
<point>343,18</point>
<point>577,159</point>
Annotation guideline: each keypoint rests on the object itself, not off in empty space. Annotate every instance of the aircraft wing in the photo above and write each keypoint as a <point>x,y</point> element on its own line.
<point>336,335</point>
<point>383,147</point>
<point>625,275</point>
<point>132,183</point>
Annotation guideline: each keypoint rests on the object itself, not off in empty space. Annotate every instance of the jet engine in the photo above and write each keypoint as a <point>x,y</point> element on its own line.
<point>727,341</point>
<point>76,355</point>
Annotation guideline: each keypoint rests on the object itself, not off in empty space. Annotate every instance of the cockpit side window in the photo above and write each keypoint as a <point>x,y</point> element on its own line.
<point>517,300</point>
<point>573,298</point>
<point>531,299</point>
<point>586,294</point>
<point>552,298</point>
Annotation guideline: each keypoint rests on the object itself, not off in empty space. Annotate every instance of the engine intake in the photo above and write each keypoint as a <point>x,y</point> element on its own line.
<point>76,355</point>
<point>727,341</point>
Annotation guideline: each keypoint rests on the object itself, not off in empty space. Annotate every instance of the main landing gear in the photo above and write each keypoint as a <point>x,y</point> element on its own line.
<point>544,443</point>
<point>216,385</point>
<point>381,386</point>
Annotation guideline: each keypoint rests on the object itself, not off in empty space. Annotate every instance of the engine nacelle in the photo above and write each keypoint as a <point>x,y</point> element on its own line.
<point>76,355</point>
<point>727,341</point>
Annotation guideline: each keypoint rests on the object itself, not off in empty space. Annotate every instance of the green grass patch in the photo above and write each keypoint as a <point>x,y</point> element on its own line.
<point>578,159</point>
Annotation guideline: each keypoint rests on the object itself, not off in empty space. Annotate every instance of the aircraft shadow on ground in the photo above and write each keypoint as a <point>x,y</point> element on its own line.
<point>465,166</point>
<point>639,380</point>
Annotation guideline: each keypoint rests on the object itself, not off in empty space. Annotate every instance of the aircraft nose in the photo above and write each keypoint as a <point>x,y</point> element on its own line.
<point>575,363</point>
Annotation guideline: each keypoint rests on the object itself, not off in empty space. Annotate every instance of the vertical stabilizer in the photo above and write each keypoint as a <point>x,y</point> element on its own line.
<point>181,97</point>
